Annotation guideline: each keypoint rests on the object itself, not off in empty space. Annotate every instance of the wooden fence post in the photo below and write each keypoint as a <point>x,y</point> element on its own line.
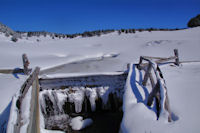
<point>177,57</point>
<point>140,62</point>
<point>128,66</point>
<point>147,74</point>
<point>25,64</point>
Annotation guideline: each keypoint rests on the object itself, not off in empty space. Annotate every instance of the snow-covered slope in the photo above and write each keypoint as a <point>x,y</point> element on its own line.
<point>110,53</point>
<point>50,52</point>
<point>5,29</point>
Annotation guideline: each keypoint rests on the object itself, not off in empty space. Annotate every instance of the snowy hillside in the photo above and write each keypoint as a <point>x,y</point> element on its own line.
<point>8,32</point>
<point>110,53</point>
<point>50,52</point>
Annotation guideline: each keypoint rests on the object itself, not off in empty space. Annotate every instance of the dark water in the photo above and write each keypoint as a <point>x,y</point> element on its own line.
<point>104,122</point>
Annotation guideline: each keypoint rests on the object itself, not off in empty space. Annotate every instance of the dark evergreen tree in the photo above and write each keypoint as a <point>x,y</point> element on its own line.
<point>194,22</point>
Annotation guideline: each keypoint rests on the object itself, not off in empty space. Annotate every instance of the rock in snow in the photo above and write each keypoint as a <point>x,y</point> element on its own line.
<point>78,123</point>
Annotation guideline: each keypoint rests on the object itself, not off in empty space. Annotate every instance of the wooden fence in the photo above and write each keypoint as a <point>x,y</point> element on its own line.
<point>159,89</point>
<point>25,69</point>
<point>33,126</point>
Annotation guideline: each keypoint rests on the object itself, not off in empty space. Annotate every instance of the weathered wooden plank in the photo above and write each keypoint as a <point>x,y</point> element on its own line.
<point>29,82</point>
<point>165,60</point>
<point>167,107</point>
<point>153,94</point>
<point>150,77</point>
<point>147,73</point>
<point>33,126</point>
<point>11,71</point>
<point>151,80</point>
<point>194,61</point>
<point>163,89</point>
<point>150,57</point>
<point>6,71</point>
<point>23,91</point>
<point>157,61</point>
<point>140,62</point>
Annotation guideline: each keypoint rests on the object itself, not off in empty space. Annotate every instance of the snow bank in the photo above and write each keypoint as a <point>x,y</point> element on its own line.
<point>4,117</point>
<point>13,114</point>
<point>9,86</point>
<point>137,116</point>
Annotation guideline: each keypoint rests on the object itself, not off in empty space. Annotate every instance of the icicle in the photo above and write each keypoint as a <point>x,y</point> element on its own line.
<point>91,93</point>
<point>42,103</point>
<point>77,98</point>
<point>103,92</point>
<point>62,97</point>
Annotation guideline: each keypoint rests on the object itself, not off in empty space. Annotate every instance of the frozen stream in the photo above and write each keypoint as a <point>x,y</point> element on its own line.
<point>97,97</point>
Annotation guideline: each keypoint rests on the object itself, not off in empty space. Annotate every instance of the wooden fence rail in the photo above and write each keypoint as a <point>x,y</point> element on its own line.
<point>160,59</point>
<point>31,81</point>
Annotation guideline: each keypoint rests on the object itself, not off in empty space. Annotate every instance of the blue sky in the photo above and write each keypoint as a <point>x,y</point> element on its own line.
<point>74,16</point>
